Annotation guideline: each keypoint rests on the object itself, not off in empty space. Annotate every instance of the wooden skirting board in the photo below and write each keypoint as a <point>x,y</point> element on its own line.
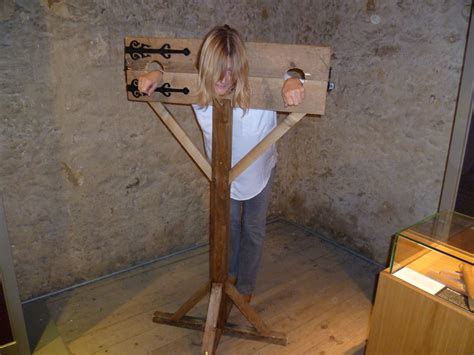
<point>406,320</point>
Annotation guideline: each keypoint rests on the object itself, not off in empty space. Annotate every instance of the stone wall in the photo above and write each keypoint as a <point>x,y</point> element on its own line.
<point>93,183</point>
<point>375,162</point>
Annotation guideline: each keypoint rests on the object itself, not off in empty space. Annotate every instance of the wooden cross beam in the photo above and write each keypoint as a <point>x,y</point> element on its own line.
<point>267,65</point>
<point>268,62</point>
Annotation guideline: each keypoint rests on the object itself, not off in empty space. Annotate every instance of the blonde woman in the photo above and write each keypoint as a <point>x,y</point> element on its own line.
<point>223,70</point>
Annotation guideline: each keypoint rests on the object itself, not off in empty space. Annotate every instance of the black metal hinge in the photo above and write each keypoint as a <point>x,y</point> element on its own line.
<point>139,50</point>
<point>164,89</point>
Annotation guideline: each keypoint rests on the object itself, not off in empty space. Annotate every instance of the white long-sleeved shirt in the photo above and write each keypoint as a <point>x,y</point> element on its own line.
<point>247,131</point>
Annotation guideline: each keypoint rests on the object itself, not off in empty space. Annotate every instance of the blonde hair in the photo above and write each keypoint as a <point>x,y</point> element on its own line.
<point>223,46</point>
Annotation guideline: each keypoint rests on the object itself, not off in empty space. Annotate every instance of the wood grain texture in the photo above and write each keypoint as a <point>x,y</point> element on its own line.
<point>266,143</point>
<point>265,93</point>
<point>220,190</point>
<point>230,329</point>
<point>268,63</point>
<point>265,59</point>
<point>246,310</point>
<point>407,320</point>
<point>209,338</point>
<point>468,277</point>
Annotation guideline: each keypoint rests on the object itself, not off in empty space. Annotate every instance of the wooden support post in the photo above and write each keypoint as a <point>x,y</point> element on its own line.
<point>220,189</point>
<point>220,220</point>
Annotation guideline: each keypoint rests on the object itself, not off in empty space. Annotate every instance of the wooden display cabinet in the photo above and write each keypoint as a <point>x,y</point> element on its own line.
<point>424,302</point>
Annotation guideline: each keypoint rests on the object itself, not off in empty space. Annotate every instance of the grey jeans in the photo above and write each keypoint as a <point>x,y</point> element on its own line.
<point>247,231</point>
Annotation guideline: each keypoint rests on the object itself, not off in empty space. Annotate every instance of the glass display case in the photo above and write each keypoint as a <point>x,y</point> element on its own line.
<point>437,256</point>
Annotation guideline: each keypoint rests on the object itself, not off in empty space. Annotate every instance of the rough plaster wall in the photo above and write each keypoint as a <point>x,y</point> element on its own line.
<point>93,184</point>
<point>375,162</point>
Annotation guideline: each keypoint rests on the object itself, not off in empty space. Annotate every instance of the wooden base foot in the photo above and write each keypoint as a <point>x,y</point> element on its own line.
<point>209,343</point>
<point>230,329</point>
<point>222,297</point>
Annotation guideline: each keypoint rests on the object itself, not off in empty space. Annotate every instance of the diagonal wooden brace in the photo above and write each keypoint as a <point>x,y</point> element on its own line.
<point>191,302</point>
<point>245,308</point>
<point>182,138</point>
<point>271,138</point>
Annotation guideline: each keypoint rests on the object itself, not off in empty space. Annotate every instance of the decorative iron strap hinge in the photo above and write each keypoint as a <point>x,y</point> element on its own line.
<point>139,50</point>
<point>164,89</point>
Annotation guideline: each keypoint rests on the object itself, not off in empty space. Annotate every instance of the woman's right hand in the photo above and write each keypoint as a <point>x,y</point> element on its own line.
<point>147,83</point>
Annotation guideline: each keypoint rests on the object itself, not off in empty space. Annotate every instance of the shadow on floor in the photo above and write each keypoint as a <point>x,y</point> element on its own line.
<point>43,334</point>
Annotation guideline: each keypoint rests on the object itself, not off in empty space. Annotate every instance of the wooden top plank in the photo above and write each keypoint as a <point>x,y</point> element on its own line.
<point>268,60</point>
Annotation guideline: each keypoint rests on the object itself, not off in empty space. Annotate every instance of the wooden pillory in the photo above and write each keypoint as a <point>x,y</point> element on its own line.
<point>267,65</point>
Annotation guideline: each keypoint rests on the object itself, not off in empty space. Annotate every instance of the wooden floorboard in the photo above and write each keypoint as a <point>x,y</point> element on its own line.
<point>317,293</point>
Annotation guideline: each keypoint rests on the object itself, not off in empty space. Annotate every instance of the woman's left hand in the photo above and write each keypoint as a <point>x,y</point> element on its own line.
<point>292,92</point>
